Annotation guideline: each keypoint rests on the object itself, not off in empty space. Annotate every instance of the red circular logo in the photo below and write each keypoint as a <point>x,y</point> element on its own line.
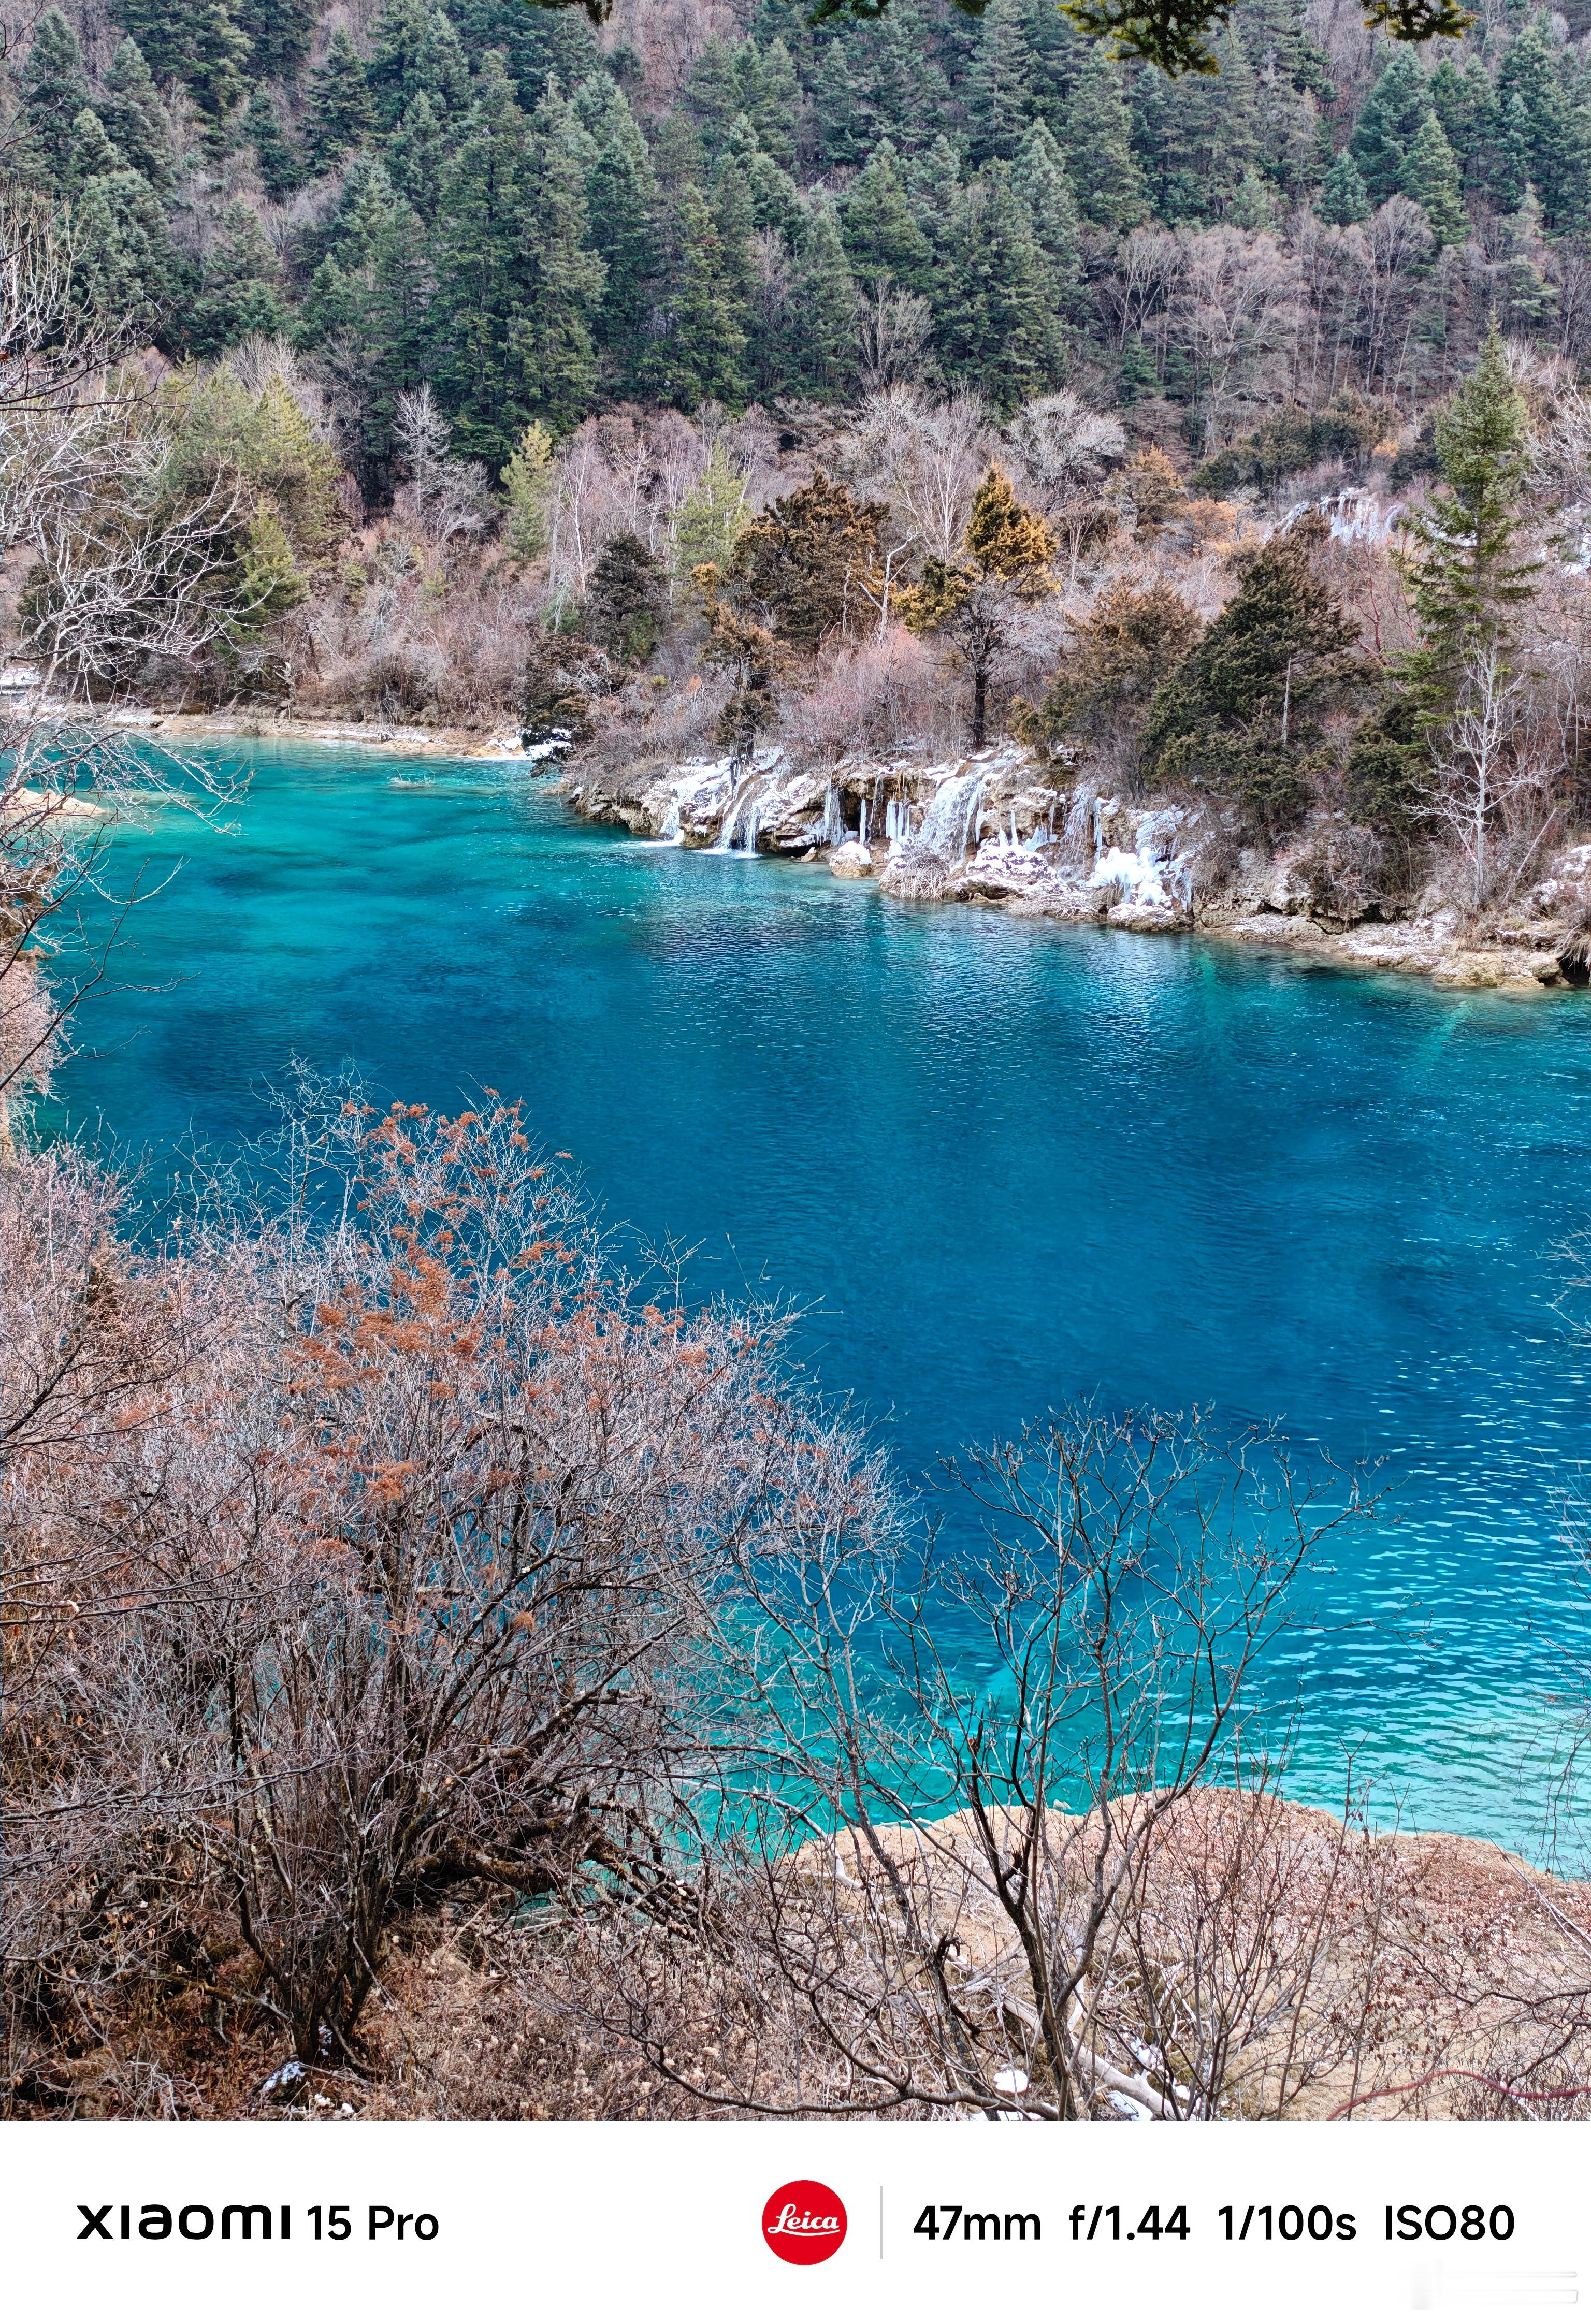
<point>804,2222</point>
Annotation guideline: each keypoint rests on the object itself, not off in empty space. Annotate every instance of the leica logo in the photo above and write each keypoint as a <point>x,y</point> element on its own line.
<point>804,2222</point>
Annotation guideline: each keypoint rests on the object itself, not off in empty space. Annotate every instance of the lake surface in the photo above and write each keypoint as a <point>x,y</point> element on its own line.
<point>1002,1164</point>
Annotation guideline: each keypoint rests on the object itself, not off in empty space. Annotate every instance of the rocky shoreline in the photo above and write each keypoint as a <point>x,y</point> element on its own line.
<point>1002,828</point>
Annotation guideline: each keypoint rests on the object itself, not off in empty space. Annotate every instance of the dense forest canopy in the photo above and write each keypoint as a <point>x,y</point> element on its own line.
<point>701,202</point>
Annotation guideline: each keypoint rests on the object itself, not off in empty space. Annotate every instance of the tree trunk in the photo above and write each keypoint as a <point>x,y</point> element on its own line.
<point>980,705</point>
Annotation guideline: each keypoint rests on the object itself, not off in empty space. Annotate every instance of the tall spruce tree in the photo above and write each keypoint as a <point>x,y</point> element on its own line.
<point>339,114</point>
<point>1465,575</point>
<point>702,352</point>
<point>1043,186</point>
<point>54,91</point>
<point>279,33</point>
<point>841,130</point>
<point>129,268</point>
<point>366,315</point>
<point>823,307</point>
<point>1096,143</point>
<point>239,291</point>
<point>999,96</point>
<point>1429,176</point>
<point>136,121</point>
<point>281,170</point>
<point>998,329</point>
<point>1390,120</point>
<point>197,43</point>
<point>622,200</point>
<point>882,236</point>
<point>1343,198</point>
<point>479,242</point>
<point>561,277</point>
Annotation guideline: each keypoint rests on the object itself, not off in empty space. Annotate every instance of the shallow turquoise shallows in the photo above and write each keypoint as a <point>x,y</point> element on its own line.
<point>1003,1164</point>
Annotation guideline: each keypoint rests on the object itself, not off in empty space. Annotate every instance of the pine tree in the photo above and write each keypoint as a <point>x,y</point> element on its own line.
<point>441,71</point>
<point>530,482</point>
<point>801,566</point>
<point>1343,198</point>
<point>479,242</point>
<point>712,93</point>
<point>54,92</point>
<point>238,286</point>
<point>911,96</point>
<point>839,126</point>
<point>1239,716</point>
<point>561,277</point>
<point>279,33</point>
<point>339,114</point>
<point>539,45</point>
<point>129,268</point>
<point>971,604</point>
<point>418,155</point>
<point>881,235</point>
<point>775,107</point>
<point>999,94</point>
<point>1252,206</point>
<point>776,199</point>
<point>999,329</point>
<point>622,200</point>
<point>1431,176</point>
<point>1388,125</point>
<point>625,603</point>
<point>393,76</point>
<point>1533,71</point>
<point>1465,574</point>
<point>281,171</point>
<point>1511,155</point>
<point>823,305</point>
<point>90,153</point>
<point>367,316</point>
<point>1098,147</point>
<point>1527,302</point>
<point>1043,186</point>
<point>134,118</point>
<point>703,354</point>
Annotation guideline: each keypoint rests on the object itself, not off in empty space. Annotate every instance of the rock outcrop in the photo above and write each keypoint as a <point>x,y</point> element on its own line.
<point>1002,828</point>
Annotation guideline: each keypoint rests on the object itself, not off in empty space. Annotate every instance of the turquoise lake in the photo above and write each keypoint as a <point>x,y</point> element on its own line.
<point>1001,1163</point>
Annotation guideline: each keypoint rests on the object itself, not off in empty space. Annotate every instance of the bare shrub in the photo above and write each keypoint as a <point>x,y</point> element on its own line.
<point>886,695</point>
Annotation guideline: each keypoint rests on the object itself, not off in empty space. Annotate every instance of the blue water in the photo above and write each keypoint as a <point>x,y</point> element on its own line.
<point>999,1163</point>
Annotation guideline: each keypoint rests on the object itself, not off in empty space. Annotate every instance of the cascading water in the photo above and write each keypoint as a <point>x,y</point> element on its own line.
<point>737,833</point>
<point>949,827</point>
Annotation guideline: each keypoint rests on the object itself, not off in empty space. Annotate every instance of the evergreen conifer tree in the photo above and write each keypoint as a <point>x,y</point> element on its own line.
<point>238,292</point>
<point>1553,156</point>
<point>281,171</point>
<point>881,235</point>
<point>776,200</point>
<point>442,69</point>
<point>1466,576</point>
<point>823,306</point>
<point>1429,176</point>
<point>367,316</point>
<point>1389,122</point>
<point>703,354</point>
<point>1343,198</point>
<point>622,198</point>
<point>1043,186</point>
<point>561,278</point>
<point>125,249</point>
<point>712,93</point>
<point>479,241</point>
<point>418,155</point>
<point>999,94</point>
<point>1240,715</point>
<point>775,107</point>
<point>1511,155</point>
<point>134,118</point>
<point>1462,99</point>
<point>279,33</point>
<point>196,41</point>
<point>835,101</point>
<point>90,153</point>
<point>392,76</point>
<point>999,329</point>
<point>1097,146</point>
<point>339,114</point>
<point>54,92</point>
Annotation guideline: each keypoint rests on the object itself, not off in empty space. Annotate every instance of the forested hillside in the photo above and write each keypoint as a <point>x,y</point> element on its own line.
<point>711,201</point>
